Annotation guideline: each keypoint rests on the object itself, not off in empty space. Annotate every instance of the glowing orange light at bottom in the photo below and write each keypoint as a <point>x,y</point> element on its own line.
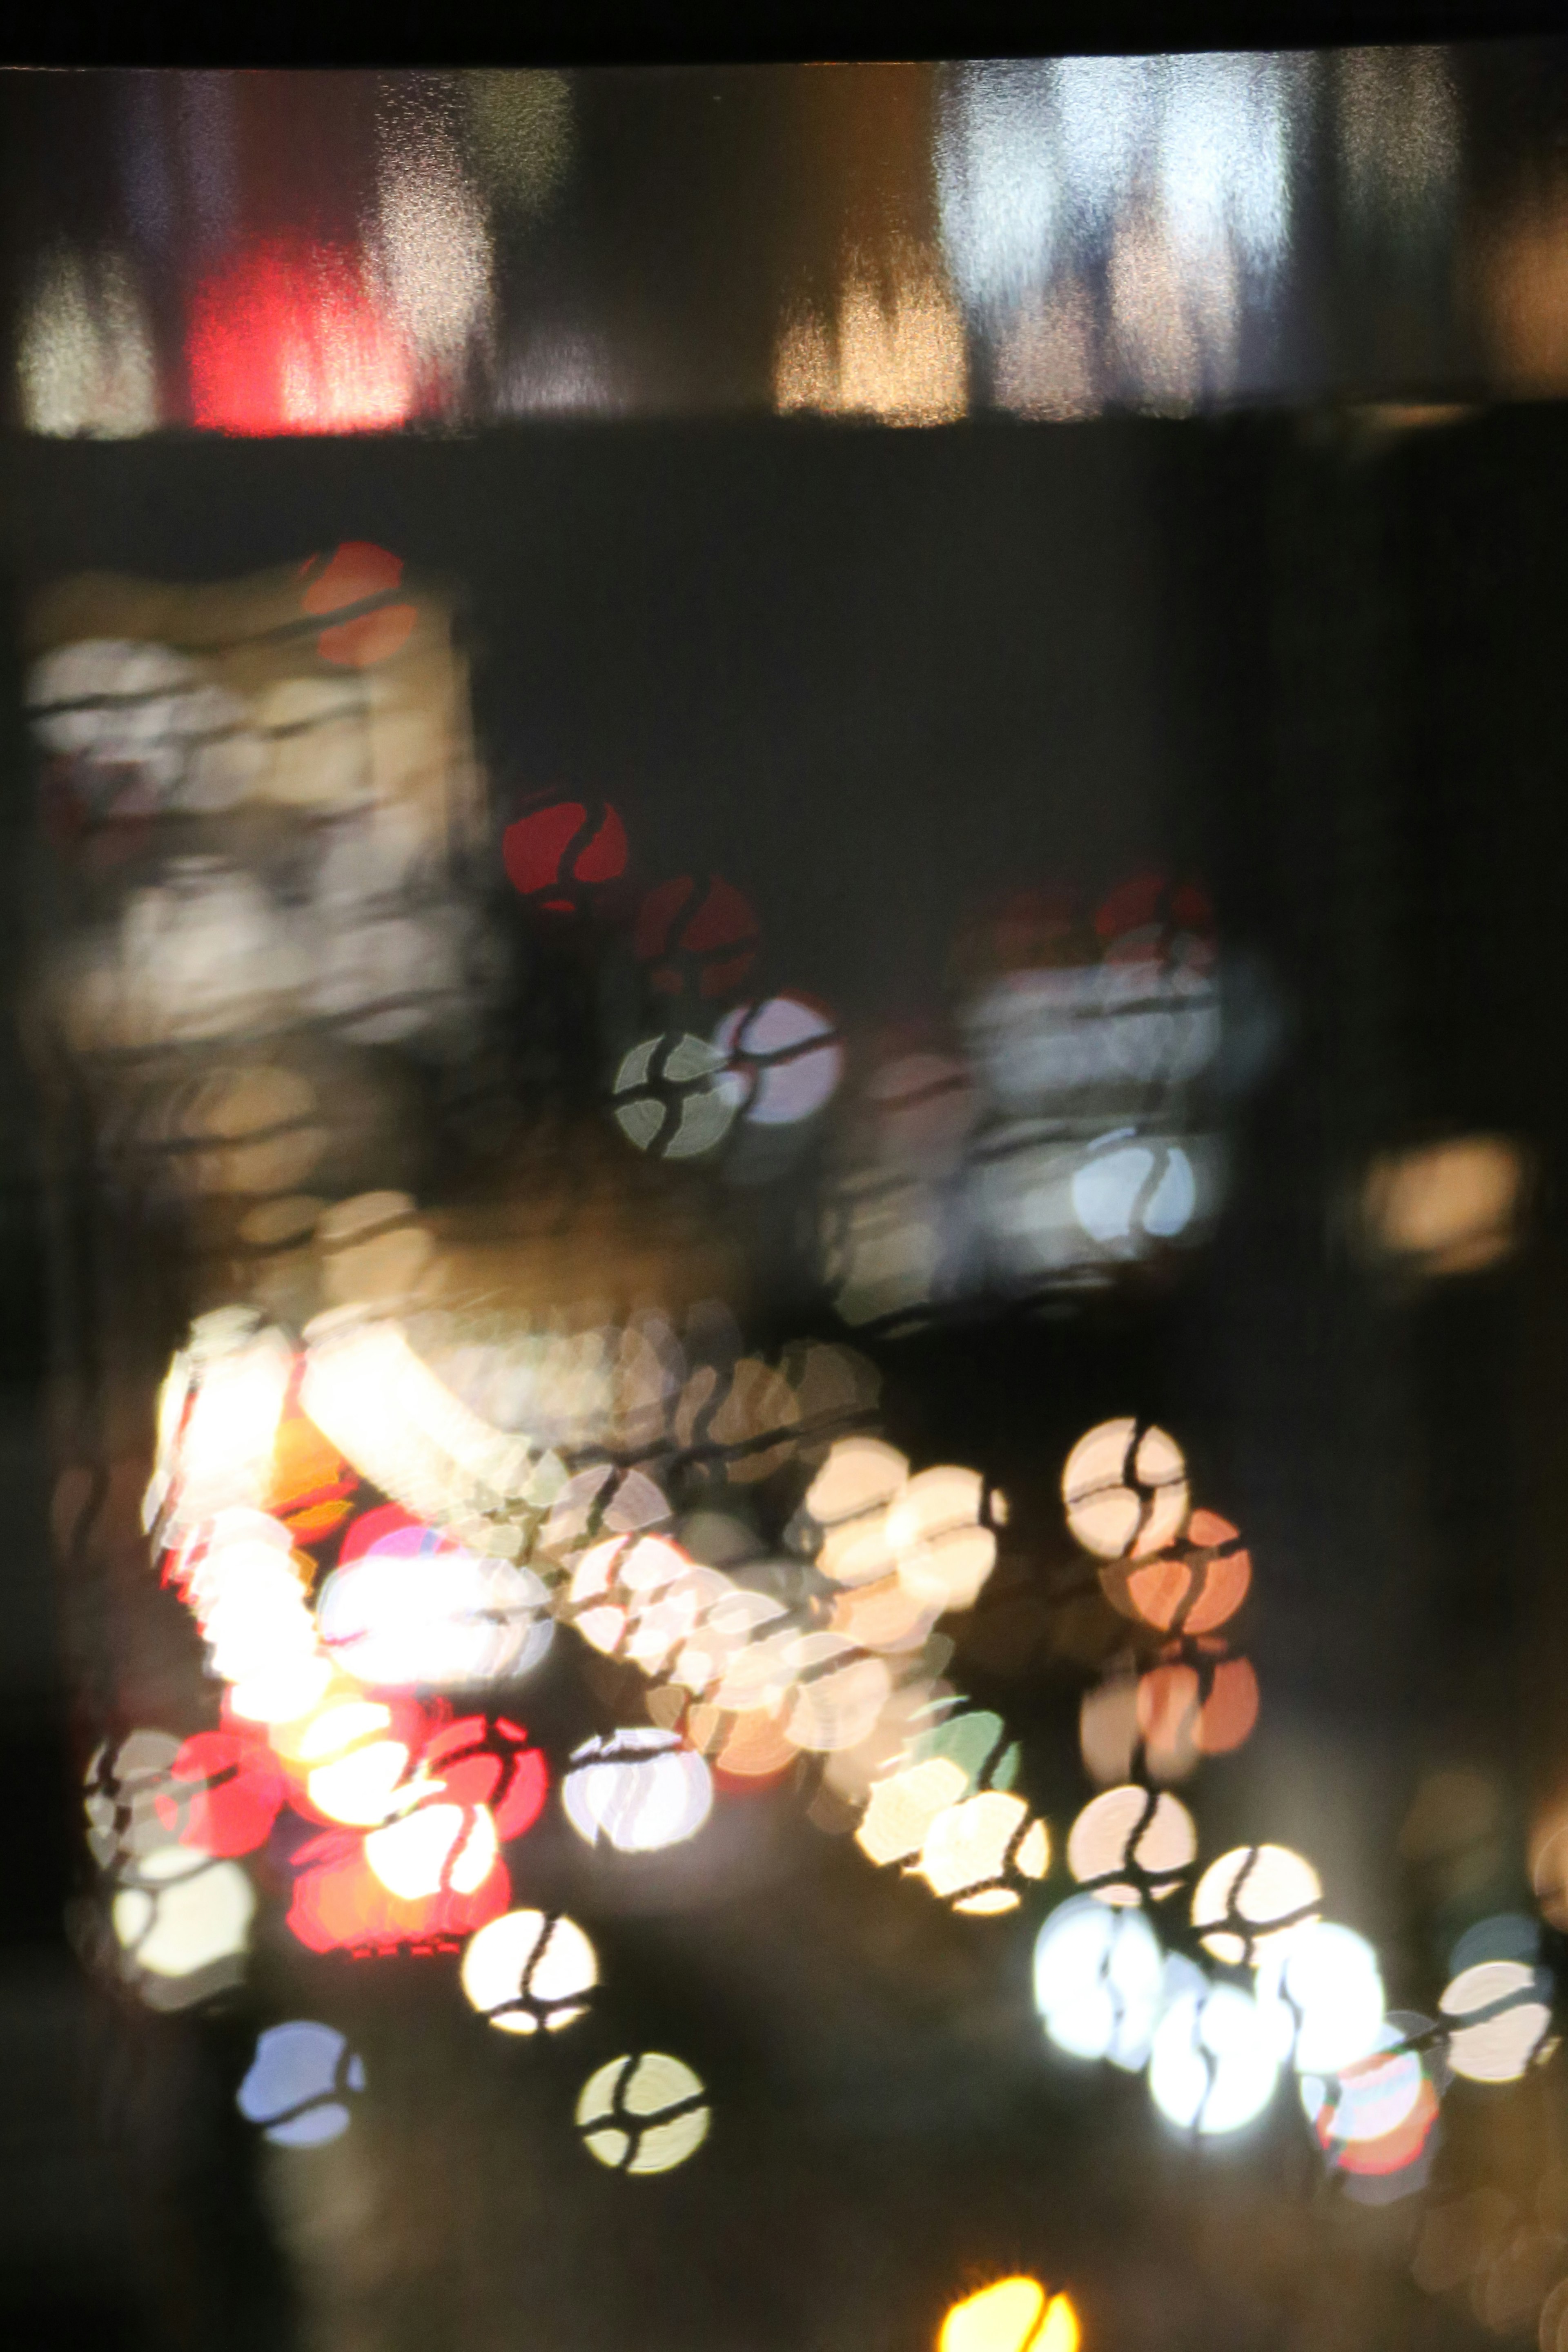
<point>1013,2316</point>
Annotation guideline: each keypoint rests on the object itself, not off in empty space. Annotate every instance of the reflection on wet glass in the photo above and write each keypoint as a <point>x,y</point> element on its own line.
<point>1522,273</point>
<point>433,240</point>
<point>1074,1142</point>
<point>291,336</point>
<point>85,362</point>
<point>1397,131</point>
<point>1113,223</point>
<point>521,131</point>
<point>897,355</point>
<point>1051,237</point>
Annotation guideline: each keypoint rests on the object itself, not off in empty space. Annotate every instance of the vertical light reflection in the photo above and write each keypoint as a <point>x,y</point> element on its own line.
<point>1517,273</point>
<point>144,167</point>
<point>900,356</point>
<point>1106,116</point>
<point>1174,317</point>
<point>85,362</point>
<point>1222,157</point>
<point>1113,223</point>
<point>869,326</point>
<point>1396,135</point>
<point>1396,132</point>
<point>1047,364</point>
<point>431,244</point>
<point>519,135</point>
<point>1523,291</point>
<point>287,336</point>
<point>206,118</point>
<point>562,373</point>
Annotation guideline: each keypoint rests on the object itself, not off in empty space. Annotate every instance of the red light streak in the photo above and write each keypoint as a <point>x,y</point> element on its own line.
<point>289,338</point>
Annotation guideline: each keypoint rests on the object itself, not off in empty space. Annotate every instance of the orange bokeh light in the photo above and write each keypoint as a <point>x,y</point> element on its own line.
<point>312,1486</point>
<point>339,1904</point>
<point>1181,1719</point>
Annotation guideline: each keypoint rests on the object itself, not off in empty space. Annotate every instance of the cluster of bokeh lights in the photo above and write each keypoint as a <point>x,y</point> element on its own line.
<point>1212,1979</point>
<point>383,1522</point>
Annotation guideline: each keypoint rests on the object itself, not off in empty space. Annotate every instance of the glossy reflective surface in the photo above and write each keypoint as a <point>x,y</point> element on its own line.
<point>346,251</point>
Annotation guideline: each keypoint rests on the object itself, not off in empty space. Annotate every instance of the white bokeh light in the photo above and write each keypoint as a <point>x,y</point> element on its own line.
<point>1100,1978</point>
<point>639,1790</point>
<point>529,1971</point>
<point>1213,2066</point>
<point>416,1615</point>
<point>1324,1991</point>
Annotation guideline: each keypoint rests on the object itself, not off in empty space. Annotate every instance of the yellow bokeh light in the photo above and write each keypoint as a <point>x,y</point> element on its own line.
<point>970,1849</point>
<point>902,1808</point>
<point>860,1474</point>
<point>362,1787</point>
<point>643,2114</point>
<point>1447,1208</point>
<point>1060,2332</point>
<point>900,359</point>
<point>1013,2316</point>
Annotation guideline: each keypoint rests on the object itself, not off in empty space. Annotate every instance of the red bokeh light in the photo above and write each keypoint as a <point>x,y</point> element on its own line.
<point>340,1905</point>
<point>699,933</point>
<point>481,1762</point>
<point>1202,1704</point>
<point>351,574</point>
<point>356,572</point>
<point>1197,1584</point>
<point>227,1792</point>
<point>288,337</point>
<point>387,1519</point>
<point>538,854</point>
